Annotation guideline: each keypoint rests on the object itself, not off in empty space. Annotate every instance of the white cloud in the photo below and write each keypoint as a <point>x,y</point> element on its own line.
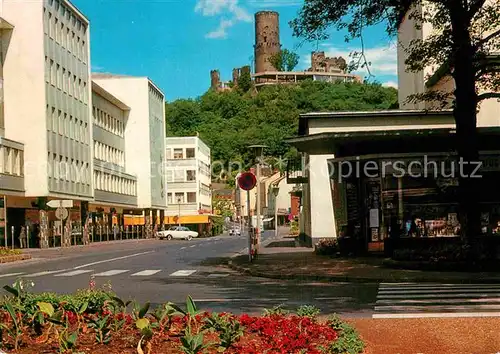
<point>383,60</point>
<point>390,84</point>
<point>274,3</point>
<point>221,31</point>
<point>223,7</point>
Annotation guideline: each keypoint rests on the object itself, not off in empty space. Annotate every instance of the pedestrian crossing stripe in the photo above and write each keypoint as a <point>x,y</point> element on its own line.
<point>182,273</point>
<point>111,273</point>
<point>73,273</point>
<point>146,273</point>
<point>414,300</point>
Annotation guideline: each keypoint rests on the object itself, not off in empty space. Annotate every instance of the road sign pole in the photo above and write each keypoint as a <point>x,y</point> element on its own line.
<point>250,241</point>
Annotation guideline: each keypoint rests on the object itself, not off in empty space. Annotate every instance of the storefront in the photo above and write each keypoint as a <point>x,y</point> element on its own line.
<point>404,184</point>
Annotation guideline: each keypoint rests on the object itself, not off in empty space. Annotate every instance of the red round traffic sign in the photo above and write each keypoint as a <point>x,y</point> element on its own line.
<point>247,181</point>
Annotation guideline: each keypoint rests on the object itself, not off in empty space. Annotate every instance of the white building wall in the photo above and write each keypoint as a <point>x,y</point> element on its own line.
<point>134,92</point>
<point>24,82</point>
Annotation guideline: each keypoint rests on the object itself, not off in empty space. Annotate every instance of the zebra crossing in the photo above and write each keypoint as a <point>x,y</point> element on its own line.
<point>66,273</point>
<point>419,300</point>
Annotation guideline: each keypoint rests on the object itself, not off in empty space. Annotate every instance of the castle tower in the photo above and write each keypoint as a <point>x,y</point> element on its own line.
<point>215,79</point>
<point>267,39</point>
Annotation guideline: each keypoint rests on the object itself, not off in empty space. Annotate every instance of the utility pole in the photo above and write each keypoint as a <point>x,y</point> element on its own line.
<point>258,151</point>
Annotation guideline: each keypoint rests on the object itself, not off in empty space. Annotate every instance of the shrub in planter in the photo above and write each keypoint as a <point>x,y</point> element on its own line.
<point>327,247</point>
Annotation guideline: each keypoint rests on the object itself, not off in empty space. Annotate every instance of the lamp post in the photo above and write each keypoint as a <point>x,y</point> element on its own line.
<point>179,204</point>
<point>276,191</point>
<point>258,154</point>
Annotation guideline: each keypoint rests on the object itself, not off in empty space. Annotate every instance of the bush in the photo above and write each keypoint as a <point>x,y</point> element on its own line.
<point>4,251</point>
<point>348,341</point>
<point>327,247</point>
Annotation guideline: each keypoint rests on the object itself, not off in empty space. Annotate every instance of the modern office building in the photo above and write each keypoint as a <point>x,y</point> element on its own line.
<point>46,121</point>
<point>188,174</point>
<point>144,140</point>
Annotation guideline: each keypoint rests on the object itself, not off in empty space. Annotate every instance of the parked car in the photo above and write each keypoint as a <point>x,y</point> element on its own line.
<point>235,231</point>
<point>177,232</point>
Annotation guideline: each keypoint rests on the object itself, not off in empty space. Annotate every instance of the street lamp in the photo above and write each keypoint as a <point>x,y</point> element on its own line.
<point>179,204</point>
<point>276,191</point>
<point>258,151</point>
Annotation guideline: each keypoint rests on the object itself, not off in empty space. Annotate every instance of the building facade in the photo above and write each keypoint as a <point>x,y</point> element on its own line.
<point>144,134</point>
<point>188,175</point>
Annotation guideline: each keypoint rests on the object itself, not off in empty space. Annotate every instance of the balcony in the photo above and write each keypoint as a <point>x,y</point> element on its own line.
<point>11,165</point>
<point>295,172</point>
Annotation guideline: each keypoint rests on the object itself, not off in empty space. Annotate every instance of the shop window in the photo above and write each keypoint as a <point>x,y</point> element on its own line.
<point>191,197</point>
<point>190,153</point>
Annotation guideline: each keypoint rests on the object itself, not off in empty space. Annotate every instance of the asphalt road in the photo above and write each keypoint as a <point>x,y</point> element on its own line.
<point>161,271</point>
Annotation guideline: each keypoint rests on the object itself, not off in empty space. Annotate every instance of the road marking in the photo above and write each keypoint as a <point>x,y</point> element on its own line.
<point>113,259</point>
<point>183,248</point>
<point>73,273</point>
<point>182,273</point>
<point>239,300</point>
<point>146,273</point>
<point>437,315</point>
<point>111,273</point>
<point>47,272</point>
<point>10,275</point>
<point>218,275</point>
<point>192,246</point>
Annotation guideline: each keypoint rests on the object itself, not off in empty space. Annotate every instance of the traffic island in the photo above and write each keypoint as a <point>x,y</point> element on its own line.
<point>299,263</point>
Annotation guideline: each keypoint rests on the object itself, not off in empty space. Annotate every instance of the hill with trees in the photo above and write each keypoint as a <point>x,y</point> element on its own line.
<point>230,121</point>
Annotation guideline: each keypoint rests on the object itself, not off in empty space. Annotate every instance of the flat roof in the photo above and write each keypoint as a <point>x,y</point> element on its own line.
<point>375,113</point>
<point>102,92</point>
<point>121,76</point>
<point>329,143</point>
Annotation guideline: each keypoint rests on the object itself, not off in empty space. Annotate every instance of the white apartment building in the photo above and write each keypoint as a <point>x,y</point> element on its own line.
<point>143,148</point>
<point>188,174</point>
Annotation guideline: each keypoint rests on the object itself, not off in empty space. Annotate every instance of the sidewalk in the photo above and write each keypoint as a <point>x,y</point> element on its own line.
<point>301,263</point>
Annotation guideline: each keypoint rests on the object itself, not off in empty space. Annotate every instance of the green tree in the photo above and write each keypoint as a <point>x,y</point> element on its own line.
<point>284,60</point>
<point>222,207</point>
<point>245,79</point>
<point>466,33</point>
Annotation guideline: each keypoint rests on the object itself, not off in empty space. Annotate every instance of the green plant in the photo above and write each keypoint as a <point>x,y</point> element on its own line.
<point>102,329</point>
<point>4,251</point>
<point>276,310</point>
<point>58,323</point>
<point>192,343</point>
<point>15,330</point>
<point>308,311</point>
<point>163,315</point>
<point>229,329</point>
<point>348,341</point>
<point>118,308</point>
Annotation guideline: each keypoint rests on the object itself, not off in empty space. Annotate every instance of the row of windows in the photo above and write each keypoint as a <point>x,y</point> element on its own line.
<point>181,175</point>
<point>205,190</point>
<point>65,124</point>
<point>155,93</point>
<point>68,169</point>
<point>179,154</point>
<point>204,169</point>
<point>63,27</point>
<point>114,184</point>
<point>64,80</point>
<point>109,154</point>
<point>181,198</point>
<point>108,122</point>
<point>11,161</point>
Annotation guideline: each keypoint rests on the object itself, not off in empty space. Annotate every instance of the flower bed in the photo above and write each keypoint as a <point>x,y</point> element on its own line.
<point>8,255</point>
<point>95,321</point>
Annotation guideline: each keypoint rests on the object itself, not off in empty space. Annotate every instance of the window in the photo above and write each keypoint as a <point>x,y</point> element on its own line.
<point>178,176</point>
<point>191,197</point>
<point>190,153</point>
<point>169,198</point>
<point>178,154</point>
<point>179,198</point>
<point>169,154</point>
<point>191,175</point>
<point>170,176</point>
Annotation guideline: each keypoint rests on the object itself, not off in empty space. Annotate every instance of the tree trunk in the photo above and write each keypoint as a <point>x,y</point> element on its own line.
<point>467,140</point>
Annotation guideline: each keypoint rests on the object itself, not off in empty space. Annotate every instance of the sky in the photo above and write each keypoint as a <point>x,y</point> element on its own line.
<point>177,42</point>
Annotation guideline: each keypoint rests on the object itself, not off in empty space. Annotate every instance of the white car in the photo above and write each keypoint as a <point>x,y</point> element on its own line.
<point>235,232</point>
<point>177,232</point>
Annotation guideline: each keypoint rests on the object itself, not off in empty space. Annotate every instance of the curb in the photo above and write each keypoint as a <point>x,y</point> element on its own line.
<point>348,279</point>
<point>15,258</point>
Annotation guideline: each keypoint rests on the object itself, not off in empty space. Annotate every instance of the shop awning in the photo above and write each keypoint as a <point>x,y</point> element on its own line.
<point>385,141</point>
<point>188,219</point>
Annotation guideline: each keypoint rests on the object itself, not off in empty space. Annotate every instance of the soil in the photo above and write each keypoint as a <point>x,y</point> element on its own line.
<point>430,335</point>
